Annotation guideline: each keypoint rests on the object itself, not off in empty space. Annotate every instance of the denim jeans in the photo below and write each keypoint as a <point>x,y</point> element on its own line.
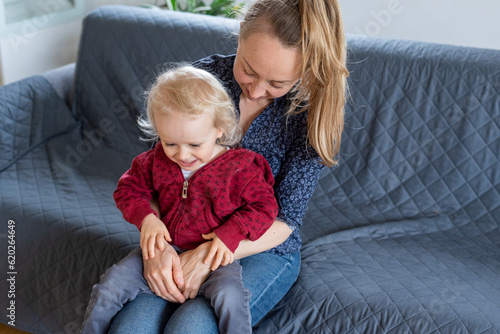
<point>268,276</point>
<point>124,282</point>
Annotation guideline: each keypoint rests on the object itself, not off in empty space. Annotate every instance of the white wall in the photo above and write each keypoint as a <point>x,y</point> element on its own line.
<point>458,22</point>
<point>40,45</point>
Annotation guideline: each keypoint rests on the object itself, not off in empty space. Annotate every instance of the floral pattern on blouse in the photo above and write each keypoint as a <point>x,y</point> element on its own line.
<point>282,140</point>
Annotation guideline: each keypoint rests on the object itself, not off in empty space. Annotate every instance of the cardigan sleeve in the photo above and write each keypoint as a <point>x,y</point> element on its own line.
<point>258,210</point>
<point>135,190</point>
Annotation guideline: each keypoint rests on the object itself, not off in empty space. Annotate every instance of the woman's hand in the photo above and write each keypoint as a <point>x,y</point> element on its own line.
<point>194,269</point>
<point>164,274</point>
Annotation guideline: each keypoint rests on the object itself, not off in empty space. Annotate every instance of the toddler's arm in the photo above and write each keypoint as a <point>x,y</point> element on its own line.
<point>218,254</point>
<point>152,232</point>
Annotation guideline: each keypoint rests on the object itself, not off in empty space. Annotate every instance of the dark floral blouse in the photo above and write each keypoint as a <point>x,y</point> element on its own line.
<point>282,140</point>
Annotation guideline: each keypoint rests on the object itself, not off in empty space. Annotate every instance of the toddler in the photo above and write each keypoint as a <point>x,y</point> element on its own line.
<point>207,189</point>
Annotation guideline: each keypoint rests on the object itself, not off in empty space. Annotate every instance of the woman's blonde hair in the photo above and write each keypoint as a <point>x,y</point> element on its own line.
<point>315,29</point>
<point>192,91</point>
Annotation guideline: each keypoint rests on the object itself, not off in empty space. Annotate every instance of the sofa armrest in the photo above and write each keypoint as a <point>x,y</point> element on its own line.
<point>31,113</point>
<point>61,80</point>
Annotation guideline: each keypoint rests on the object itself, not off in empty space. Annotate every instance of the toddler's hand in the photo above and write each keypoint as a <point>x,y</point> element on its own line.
<point>152,232</point>
<point>223,256</point>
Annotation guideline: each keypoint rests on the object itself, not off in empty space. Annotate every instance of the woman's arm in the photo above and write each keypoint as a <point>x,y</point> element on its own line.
<point>166,278</point>
<point>275,235</point>
<point>195,270</point>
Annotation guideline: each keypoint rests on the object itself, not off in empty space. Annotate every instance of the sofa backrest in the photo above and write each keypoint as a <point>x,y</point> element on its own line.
<point>121,51</point>
<point>421,138</point>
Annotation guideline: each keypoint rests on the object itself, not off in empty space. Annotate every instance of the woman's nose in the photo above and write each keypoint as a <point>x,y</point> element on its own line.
<point>256,90</point>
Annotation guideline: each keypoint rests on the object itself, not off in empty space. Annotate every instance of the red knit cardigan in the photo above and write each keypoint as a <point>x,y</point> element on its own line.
<point>232,196</point>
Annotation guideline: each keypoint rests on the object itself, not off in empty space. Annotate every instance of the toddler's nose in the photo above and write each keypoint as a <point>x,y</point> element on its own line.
<point>183,153</point>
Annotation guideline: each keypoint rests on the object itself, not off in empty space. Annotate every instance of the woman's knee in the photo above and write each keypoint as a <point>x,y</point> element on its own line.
<point>146,314</point>
<point>193,317</point>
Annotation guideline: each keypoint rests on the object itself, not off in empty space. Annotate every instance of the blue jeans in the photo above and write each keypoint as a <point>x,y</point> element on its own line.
<point>268,277</point>
<point>124,282</point>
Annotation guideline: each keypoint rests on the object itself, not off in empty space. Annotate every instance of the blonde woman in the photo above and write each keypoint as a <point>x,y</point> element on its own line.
<point>288,82</point>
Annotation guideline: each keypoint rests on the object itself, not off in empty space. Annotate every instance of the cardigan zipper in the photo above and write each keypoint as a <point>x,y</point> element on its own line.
<point>184,193</point>
<point>180,210</point>
<point>185,189</point>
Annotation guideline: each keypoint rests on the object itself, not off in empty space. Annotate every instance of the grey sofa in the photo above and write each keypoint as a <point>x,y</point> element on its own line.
<point>402,237</point>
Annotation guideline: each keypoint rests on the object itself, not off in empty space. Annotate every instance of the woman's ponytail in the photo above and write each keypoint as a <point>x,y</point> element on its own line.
<point>315,29</point>
<point>324,74</point>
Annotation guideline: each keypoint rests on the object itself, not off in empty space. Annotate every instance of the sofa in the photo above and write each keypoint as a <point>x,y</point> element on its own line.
<point>403,236</point>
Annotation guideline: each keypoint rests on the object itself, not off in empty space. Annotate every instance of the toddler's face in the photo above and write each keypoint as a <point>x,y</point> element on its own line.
<point>188,140</point>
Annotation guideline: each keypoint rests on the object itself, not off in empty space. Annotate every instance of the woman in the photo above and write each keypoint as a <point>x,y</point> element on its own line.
<point>287,81</point>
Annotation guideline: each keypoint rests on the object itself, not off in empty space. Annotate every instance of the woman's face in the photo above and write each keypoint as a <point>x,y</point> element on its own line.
<point>264,69</point>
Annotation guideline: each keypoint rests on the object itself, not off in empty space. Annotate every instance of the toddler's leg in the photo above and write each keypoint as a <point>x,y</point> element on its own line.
<point>230,300</point>
<point>119,284</point>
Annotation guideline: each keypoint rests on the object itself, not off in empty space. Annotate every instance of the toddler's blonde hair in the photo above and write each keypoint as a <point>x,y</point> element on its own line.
<point>192,91</point>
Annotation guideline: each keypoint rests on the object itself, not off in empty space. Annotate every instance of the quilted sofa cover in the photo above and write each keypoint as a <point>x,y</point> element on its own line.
<point>402,237</point>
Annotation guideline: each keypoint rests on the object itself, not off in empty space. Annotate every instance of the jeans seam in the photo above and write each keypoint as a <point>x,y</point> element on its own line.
<point>271,283</point>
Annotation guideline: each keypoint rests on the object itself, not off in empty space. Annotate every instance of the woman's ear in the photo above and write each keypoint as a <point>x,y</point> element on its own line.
<point>220,132</point>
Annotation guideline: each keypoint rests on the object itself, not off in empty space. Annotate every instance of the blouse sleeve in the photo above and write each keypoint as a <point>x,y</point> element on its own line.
<point>295,164</point>
<point>297,178</point>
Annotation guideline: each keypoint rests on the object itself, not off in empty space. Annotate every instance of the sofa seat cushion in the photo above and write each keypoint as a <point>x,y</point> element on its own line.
<point>400,277</point>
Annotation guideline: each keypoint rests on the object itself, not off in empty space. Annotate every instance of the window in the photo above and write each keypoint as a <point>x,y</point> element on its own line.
<point>24,16</point>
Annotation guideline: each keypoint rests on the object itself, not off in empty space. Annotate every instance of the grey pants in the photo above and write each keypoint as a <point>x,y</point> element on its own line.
<point>124,281</point>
